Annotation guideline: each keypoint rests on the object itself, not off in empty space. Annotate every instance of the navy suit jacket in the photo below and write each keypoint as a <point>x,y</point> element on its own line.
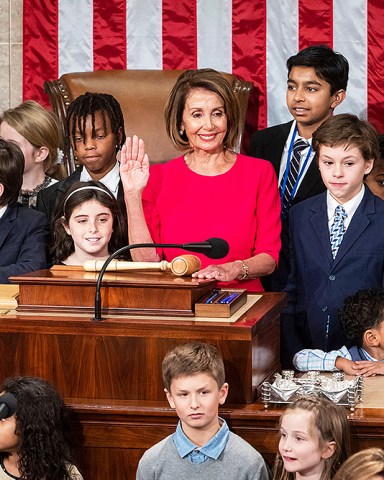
<point>269,144</point>
<point>23,241</point>
<point>318,285</point>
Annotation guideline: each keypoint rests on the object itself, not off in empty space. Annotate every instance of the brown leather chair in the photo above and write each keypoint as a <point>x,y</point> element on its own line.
<point>142,95</point>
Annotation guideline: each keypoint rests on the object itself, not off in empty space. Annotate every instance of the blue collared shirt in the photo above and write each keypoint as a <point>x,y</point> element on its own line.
<point>319,360</point>
<point>213,449</point>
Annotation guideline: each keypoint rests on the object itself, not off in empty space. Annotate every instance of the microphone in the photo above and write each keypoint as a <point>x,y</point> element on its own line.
<point>8,405</point>
<point>212,248</point>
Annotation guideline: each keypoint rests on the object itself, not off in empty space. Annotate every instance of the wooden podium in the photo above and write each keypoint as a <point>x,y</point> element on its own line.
<point>109,372</point>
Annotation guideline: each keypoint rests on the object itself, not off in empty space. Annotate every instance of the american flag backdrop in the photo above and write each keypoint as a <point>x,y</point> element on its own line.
<point>251,38</point>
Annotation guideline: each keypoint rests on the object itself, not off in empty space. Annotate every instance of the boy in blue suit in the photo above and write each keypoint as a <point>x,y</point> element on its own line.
<point>362,320</point>
<point>23,231</point>
<point>336,239</point>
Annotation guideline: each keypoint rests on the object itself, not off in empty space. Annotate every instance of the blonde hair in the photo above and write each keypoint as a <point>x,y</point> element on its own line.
<point>330,425</point>
<point>362,465</point>
<point>40,128</point>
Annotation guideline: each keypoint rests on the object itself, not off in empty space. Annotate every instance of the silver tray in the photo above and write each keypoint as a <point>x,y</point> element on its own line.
<point>286,388</point>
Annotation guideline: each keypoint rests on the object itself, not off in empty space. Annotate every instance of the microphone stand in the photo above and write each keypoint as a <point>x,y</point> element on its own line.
<point>98,317</point>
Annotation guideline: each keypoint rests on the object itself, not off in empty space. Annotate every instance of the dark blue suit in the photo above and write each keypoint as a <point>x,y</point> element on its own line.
<point>318,285</point>
<point>23,241</point>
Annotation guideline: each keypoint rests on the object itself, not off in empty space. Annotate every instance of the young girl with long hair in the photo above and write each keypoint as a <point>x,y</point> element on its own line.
<point>314,440</point>
<point>87,225</point>
<point>34,443</point>
<point>36,132</point>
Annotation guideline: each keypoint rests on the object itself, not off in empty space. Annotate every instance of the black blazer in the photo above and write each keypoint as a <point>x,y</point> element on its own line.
<point>23,239</point>
<point>269,144</point>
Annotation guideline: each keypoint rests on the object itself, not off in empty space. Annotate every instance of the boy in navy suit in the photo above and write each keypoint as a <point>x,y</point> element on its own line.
<point>317,83</point>
<point>23,231</point>
<point>336,239</point>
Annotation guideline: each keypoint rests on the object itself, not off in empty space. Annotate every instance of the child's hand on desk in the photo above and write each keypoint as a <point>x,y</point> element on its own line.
<point>368,368</point>
<point>345,365</point>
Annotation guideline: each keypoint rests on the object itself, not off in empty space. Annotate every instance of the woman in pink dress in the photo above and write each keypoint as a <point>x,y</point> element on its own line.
<point>209,191</point>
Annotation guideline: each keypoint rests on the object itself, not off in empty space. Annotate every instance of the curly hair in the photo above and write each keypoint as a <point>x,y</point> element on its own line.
<point>62,245</point>
<point>360,312</point>
<point>42,428</point>
<point>330,424</point>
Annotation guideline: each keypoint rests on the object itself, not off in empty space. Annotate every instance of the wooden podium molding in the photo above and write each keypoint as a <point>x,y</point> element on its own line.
<point>145,293</point>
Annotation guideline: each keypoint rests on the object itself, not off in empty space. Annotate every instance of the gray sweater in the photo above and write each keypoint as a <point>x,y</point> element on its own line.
<point>238,461</point>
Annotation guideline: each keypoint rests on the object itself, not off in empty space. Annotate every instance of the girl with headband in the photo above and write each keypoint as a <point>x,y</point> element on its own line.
<point>87,225</point>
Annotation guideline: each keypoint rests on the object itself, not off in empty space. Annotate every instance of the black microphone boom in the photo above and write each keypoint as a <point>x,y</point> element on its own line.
<point>212,248</point>
<point>8,405</point>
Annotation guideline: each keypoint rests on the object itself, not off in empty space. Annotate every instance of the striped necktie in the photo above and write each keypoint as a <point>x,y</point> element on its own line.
<point>337,229</point>
<point>294,169</point>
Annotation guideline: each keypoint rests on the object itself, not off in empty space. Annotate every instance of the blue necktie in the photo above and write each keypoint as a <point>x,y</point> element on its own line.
<point>337,229</point>
<point>294,169</point>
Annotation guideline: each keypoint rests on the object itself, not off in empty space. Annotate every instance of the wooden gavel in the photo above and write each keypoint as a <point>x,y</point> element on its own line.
<point>180,266</point>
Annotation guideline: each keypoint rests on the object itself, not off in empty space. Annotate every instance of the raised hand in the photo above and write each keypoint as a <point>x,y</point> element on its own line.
<point>134,165</point>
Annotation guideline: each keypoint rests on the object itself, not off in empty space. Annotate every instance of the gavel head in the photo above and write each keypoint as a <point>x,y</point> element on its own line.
<point>185,265</point>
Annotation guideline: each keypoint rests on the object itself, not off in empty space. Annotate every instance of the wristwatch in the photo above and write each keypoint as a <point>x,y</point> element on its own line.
<point>245,269</point>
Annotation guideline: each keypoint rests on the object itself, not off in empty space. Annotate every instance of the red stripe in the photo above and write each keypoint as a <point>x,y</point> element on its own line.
<point>315,22</point>
<point>179,34</point>
<point>109,34</point>
<point>249,56</point>
<point>40,51</point>
<point>375,67</point>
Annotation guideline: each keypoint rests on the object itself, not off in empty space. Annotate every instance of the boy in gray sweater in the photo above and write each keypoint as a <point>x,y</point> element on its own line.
<point>202,446</point>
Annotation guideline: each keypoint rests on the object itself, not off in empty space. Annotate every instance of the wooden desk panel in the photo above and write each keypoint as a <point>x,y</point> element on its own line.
<point>126,430</point>
<point>120,358</point>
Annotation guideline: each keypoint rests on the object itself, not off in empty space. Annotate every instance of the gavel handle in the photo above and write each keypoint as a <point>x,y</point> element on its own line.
<point>121,266</point>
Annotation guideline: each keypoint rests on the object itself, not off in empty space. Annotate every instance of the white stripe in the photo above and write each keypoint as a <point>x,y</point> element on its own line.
<point>282,42</point>
<point>350,39</point>
<point>214,34</point>
<point>75,36</point>
<point>144,34</point>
